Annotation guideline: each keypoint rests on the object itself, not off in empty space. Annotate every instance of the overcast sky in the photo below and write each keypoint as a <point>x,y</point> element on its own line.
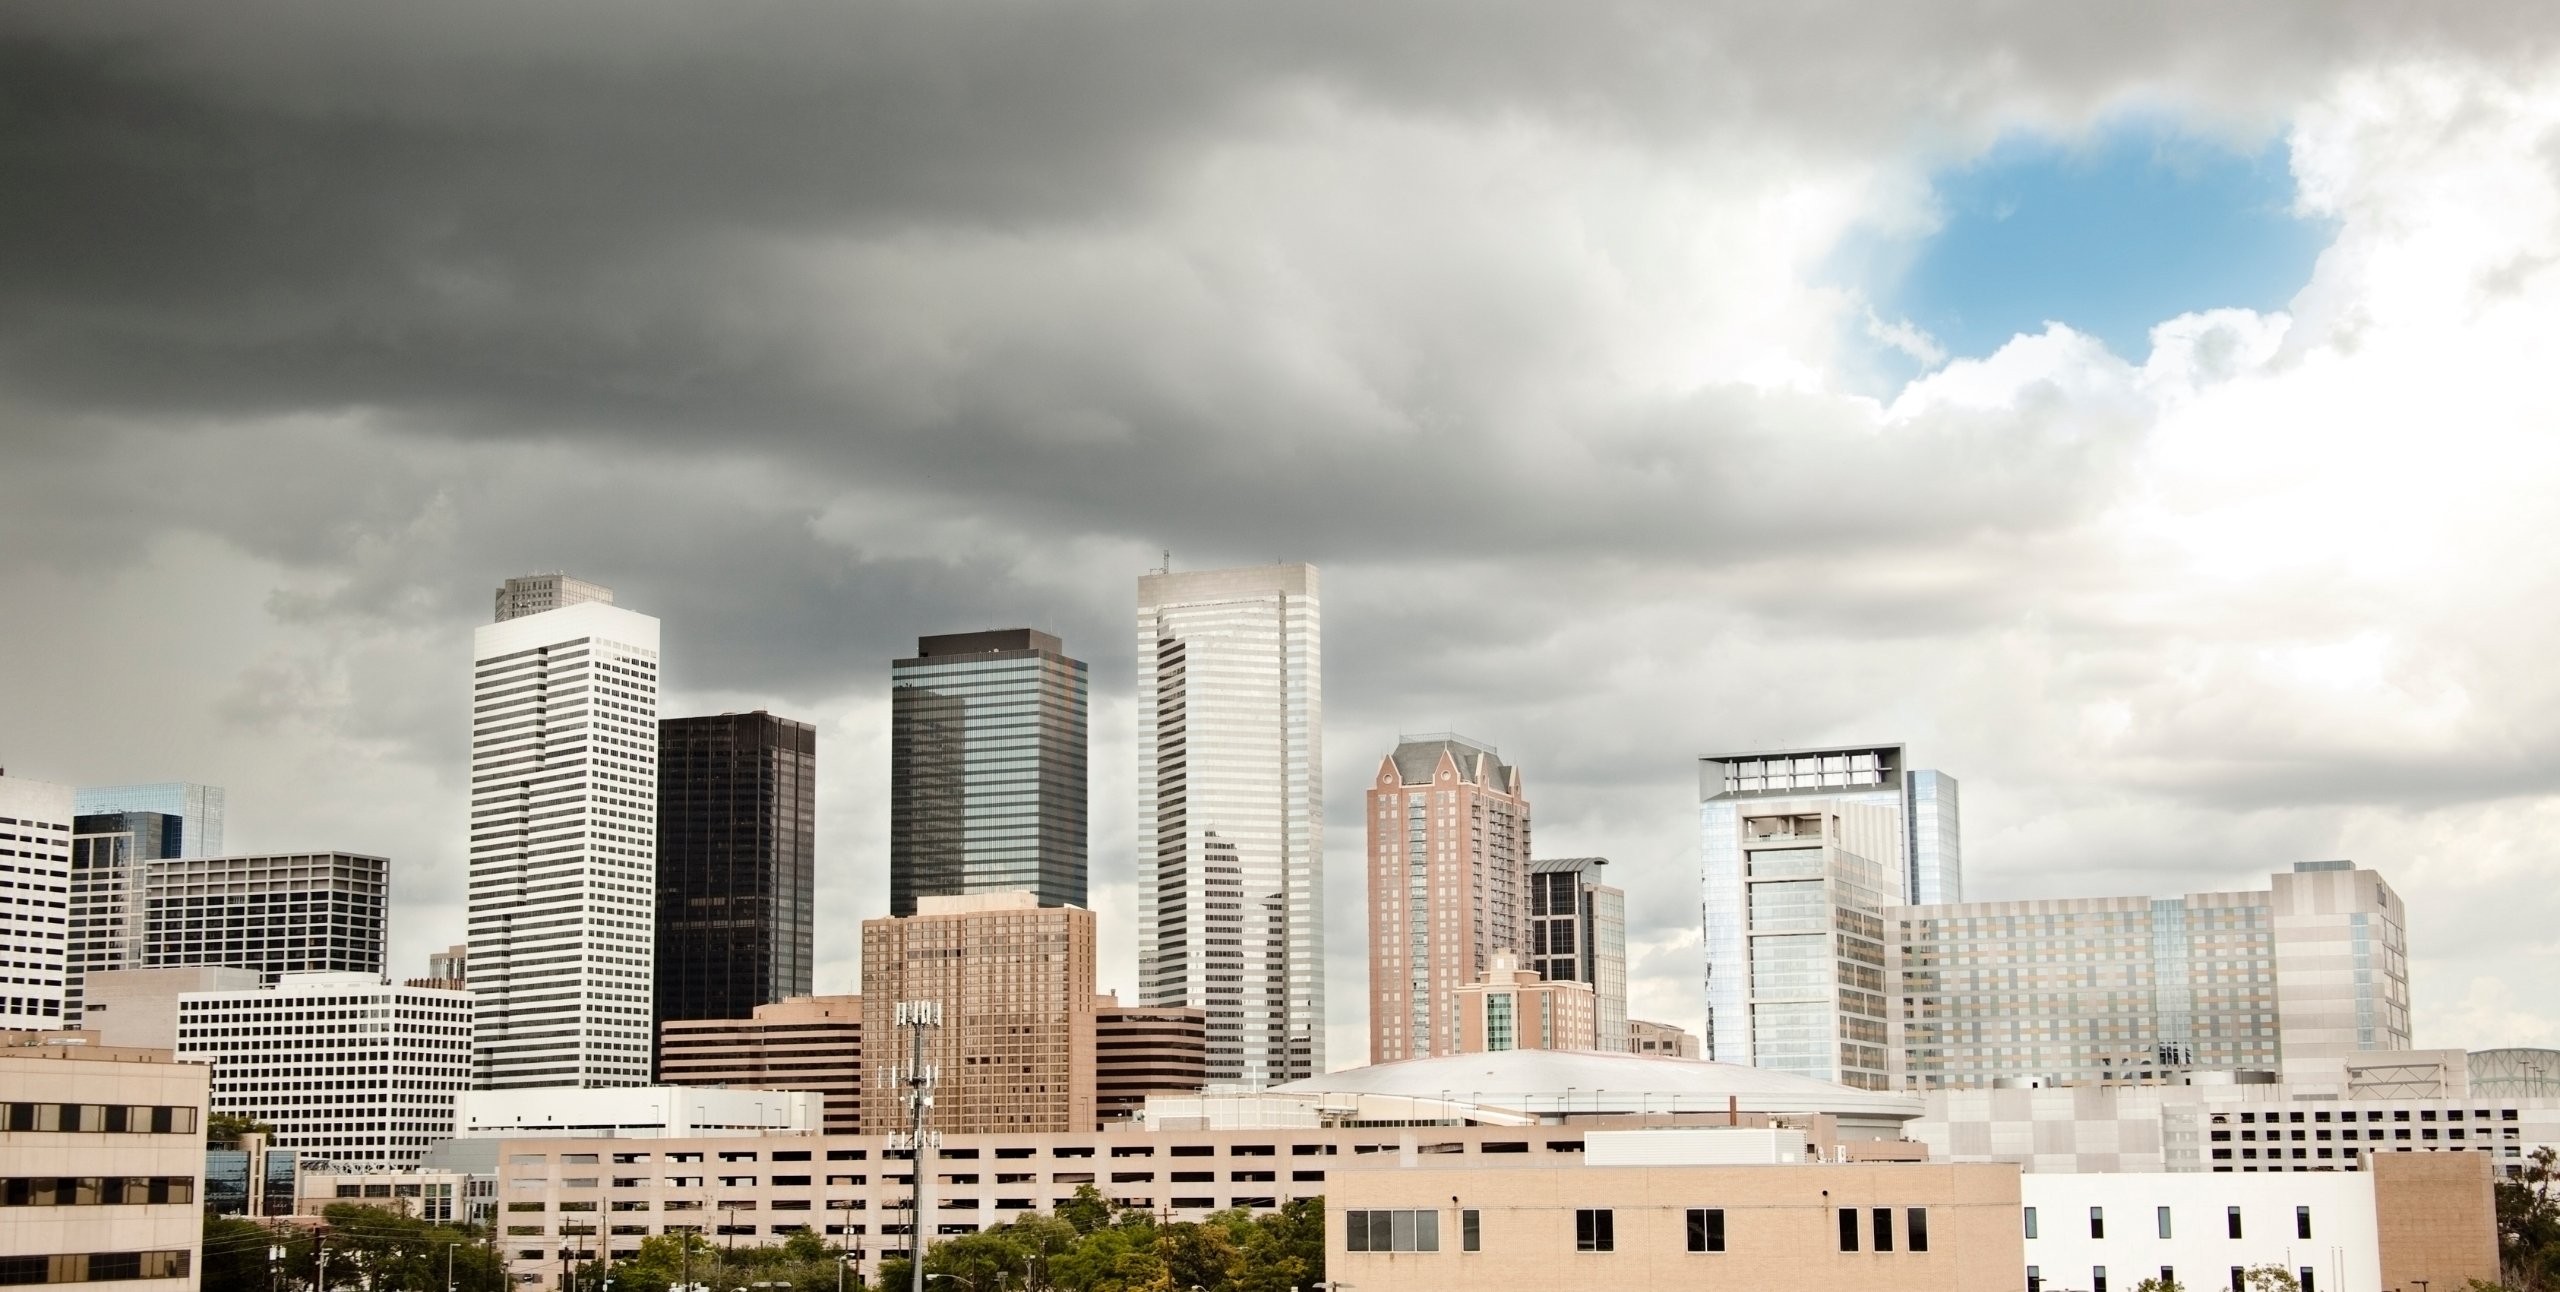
<point>2146,413</point>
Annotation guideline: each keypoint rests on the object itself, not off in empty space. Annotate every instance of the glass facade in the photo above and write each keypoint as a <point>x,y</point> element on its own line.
<point>1231,812</point>
<point>107,852</point>
<point>1935,846</point>
<point>987,770</point>
<point>1578,933</point>
<point>737,858</point>
<point>195,809</point>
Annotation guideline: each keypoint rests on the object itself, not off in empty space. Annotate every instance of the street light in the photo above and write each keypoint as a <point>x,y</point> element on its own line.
<point>448,1265</point>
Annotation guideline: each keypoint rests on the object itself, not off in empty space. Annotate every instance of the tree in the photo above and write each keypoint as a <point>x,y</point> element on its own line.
<point>2529,1225</point>
<point>2160,1285</point>
<point>2268,1278</point>
<point>223,1130</point>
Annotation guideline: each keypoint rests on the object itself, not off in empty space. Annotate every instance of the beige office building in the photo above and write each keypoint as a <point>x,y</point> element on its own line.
<point>811,1043</point>
<point>101,1164</point>
<point>1448,887</point>
<point>1511,1008</point>
<point>1660,1039</point>
<point>139,1007</point>
<point>2301,978</point>
<point>1015,982</point>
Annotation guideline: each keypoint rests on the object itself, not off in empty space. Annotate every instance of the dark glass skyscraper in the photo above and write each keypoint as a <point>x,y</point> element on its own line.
<point>987,769</point>
<point>737,832</point>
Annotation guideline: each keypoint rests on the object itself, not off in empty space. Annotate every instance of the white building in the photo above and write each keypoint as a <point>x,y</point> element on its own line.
<point>140,1006</point>
<point>639,1112</point>
<point>35,900</point>
<point>101,1165</point>
<point>344,1066</point>
<point>2225,1127</point>
<point>1231,813</point>
<point>564,811</point>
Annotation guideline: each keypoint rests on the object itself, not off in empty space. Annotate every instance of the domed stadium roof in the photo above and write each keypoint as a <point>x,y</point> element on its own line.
<point>1558,1081</point>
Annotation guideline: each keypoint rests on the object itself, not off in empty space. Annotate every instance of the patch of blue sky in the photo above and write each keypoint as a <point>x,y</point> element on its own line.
<point>2109,234</point>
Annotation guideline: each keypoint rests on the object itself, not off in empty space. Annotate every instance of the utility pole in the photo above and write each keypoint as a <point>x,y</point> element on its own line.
<point>919,1017</point>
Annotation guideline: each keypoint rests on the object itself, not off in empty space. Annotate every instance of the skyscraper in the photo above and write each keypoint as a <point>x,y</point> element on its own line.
<point>107,854</point>
<point>1578,933</point>
<point>1448,866</point>
<point>532,594</point>
<point>737,856</point>
<point>1934,846</point>
<point>1802,850</point>
<point>1231,812</point>
<point>563,839</point>
<point>194,812</point>
<point>299,912</point>
<point>987,769</point>
<point>35,860</point>
<point>1841,837</point>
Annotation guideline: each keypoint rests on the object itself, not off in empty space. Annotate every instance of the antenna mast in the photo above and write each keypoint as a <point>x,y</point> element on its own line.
<point>919,1017</point>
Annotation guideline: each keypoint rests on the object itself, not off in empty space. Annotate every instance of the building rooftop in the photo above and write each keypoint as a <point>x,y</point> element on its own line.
<point>1556,1081</point>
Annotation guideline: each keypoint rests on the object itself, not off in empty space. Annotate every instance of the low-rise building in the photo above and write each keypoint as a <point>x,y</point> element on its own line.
<point>101,1163</point>
<point>1512,1008</point>
<point>811,1043</point>
<point>139,1007</point>
<point>344,1066</point>
<point>1660,1038</point>
<point>637,1112</point>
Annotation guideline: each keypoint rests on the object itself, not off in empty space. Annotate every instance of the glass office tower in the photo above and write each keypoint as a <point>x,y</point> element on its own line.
<point>987,769</point>
<point>1578,933</point>
<point>195,810</point>
<point>737,860</point>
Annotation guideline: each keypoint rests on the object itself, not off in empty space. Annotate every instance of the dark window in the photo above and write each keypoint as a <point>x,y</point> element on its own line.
<point>1706,1229</point>
<point>1595,1229</point>
<point>2231,1224</point>
<point>2305,1280</point>
<point>1848,1229</point>
<point>2239,1276</point>
<point>1470,1230</point>
<point>1884,1229</point>
<point>2097,1222</point>
<point>2302,1225</point>
<point>2035,1279</point>
<point>1915,1223</point>
<point>2097,1278</point>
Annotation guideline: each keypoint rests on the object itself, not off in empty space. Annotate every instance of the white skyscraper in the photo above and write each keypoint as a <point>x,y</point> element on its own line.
<point>35,869</point>
<point>1231,813</point>
<point>564,823</point>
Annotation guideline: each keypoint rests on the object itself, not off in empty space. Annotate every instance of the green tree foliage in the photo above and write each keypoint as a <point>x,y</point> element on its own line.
<point>2268,1278</point>
<point>379,1249</point>
<point>2159,1285</point>
<point>2529,1225</point>
<point>223,1130</point>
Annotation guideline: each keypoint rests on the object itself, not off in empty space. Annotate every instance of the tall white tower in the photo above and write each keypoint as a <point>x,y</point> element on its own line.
<point>564,829</point>
<point>35,863</point>
<point>1231,813</point>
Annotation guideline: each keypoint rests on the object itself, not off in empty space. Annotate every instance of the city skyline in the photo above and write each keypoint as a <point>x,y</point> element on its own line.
<point>2142,422</point>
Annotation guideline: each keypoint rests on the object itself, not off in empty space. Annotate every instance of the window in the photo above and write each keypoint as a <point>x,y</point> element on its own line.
<point>2097,1278</point>
<point>2231,1224</point>
<point>1706,1229</point>
<point>2168,1276</point>
<point>1470,1230</point>
<point>2302,1224</point>
<point>1848,1229</point>
<point>1390,1231</point>
<point>2035,1279</point>
<point>2239,1276</point>
<point>2305,1280</point>
<point>2031,1222</point>
<point>1884,1229</point>
<point>2097,1222</point>
<point>1595,1229</point>
<point>2164,1227</point>
<point>1915,1228</point>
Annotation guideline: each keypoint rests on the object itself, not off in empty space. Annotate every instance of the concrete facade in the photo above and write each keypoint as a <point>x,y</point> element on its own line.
<point>1015,981</point>
<point>1660,1038</point>
<point>2304,977</point>
<point>346,1067</point>
<point>1511,1008</point>
<point>1448,888</point>
<point>811,1043</point>
<point>101,1165</point>
<point>1231,812</point>
<point>563,842</point>
<point>1550,1224</point>
<point>635,1112</point>
<point>139,1007</point>
<point>35,863</point>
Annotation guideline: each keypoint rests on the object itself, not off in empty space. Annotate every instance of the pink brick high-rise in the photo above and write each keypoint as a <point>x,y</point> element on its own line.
<point>1448,863</point>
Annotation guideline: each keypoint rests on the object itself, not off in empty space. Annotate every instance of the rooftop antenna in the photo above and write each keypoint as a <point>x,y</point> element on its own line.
<point>1168,562</point>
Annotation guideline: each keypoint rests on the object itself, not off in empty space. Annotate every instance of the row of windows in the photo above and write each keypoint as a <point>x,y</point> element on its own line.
<point>95,1191</point>
<point>1595,1229</point>
<point>92,1267</point>
<point>2305,1278</point>
<point>141,1119</point>
<point>2163,1221</point>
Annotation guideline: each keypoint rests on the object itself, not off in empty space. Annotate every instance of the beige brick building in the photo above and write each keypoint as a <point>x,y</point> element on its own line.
<point>1769,1228</point>
<point>1511,1008</point>
<point>1448,884</point>
<point>1015,982</point>
<point>101,1164</point>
